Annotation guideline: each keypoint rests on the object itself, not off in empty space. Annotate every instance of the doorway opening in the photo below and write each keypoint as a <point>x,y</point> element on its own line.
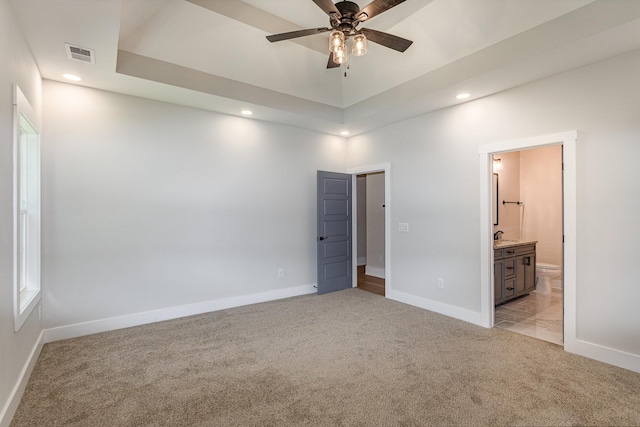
<point>528,255</point>
<point>370,220</point>
<point>568,142</point>
<point>372,254</point>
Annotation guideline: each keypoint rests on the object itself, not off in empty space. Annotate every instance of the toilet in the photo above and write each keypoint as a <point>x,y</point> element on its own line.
<point>545,272</point>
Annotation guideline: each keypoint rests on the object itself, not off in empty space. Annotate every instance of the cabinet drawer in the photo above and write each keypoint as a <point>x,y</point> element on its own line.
<point>509,267</point>
<point>509,288</point>
<point>525,249</point>
<point>509,251</point>
<point>497,254</point>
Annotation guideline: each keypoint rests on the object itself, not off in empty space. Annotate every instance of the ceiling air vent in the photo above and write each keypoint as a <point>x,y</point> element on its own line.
<point>80,53</point>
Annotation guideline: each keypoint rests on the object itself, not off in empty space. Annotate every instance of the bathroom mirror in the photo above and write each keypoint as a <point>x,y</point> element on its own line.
<point>495,199</point>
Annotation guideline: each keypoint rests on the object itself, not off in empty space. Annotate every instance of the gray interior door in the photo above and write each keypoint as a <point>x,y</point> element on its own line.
<point>334,232</point>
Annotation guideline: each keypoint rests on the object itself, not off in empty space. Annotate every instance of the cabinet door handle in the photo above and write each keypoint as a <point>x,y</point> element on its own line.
<point>509,289</point>
<point>509,268</point>
<point>527,260</point>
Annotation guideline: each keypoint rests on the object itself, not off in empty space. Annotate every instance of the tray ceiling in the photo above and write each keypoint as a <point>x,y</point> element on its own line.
<point>213,54</point>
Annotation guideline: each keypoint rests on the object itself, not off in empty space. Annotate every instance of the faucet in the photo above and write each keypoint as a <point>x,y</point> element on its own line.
<point>498,235</point>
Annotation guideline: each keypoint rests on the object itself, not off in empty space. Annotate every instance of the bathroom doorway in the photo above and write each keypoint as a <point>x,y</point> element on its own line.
<point>528,242</point>
<point>569,141</point>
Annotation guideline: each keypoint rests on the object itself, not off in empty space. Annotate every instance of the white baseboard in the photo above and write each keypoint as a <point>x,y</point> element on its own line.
<point>604,354</point>
<point>13,402</point>
<point>362,260</point>
<point>137,319</point>
<point>438,307</point>
<point>370,270</point>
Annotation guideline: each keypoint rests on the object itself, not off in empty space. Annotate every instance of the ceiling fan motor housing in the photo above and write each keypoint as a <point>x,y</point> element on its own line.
<point>347,21</point>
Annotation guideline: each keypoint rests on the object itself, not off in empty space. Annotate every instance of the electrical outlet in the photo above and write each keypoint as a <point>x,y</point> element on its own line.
<point>280,273</point>
<point>381,258</point>
<point>39,312</point>
<point>403,227</point>
<point>440,283</point>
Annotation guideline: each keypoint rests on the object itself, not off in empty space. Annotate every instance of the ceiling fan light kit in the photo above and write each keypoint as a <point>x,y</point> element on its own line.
<point>340,56</point>
<point>344,18</point>
<point>359,45</point>
<point>336,40</point>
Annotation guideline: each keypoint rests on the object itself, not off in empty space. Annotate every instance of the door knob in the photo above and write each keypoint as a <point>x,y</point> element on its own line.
<point>321,238</point>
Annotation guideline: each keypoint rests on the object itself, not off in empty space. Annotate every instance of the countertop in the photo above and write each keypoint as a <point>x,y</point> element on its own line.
<point>506,243</point>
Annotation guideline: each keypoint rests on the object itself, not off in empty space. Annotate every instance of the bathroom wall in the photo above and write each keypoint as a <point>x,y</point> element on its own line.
<point>533,177</point>
<point>541,190</point>
<point>509,190</point>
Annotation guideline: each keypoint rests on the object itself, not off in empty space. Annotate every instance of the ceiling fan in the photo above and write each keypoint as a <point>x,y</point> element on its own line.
<point>344,18</point>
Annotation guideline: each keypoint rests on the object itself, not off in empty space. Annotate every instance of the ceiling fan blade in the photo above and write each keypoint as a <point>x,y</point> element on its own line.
<point>376,7</point>
<point>296,34</point>
<point>327,6</point>
<point>387,40</point>
<point>331,63</point>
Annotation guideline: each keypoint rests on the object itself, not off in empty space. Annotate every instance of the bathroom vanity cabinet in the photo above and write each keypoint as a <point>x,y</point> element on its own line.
<point>515,270</point>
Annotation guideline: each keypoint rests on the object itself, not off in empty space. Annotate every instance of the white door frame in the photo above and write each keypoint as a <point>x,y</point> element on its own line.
<point>568,141</point>
<point>361,170</point>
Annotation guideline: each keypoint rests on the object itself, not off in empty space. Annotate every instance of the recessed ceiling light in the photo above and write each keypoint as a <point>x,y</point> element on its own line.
<point>463,95</point>
<point>72,77</point>
<point>344,133</point>
<point>247,112</point>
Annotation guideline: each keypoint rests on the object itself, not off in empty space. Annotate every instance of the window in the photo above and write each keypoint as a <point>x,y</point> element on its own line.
<point>27,210</point>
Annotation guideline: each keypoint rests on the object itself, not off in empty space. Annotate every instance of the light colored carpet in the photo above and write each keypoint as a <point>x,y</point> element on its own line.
<point>348,358</point>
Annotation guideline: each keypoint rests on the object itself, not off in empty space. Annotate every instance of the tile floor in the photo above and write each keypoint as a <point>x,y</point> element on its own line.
<point>536,315</point>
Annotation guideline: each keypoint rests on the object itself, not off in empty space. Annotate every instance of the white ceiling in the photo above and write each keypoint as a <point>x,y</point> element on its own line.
<point>213,54</point>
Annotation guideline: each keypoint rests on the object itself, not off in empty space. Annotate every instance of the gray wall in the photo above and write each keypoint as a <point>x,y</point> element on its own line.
<point>150,205</point>
<point>18,66</point>
<point>375,225</point>
<point>435,187</point>
<point>361,219</point>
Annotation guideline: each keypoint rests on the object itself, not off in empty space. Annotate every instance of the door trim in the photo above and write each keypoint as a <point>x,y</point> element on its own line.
<point>360,170</point>
<point>568,141</point>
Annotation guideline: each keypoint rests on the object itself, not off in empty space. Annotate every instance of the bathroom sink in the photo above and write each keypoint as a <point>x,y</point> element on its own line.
<point>510,242</point>
<point>503,242</point>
